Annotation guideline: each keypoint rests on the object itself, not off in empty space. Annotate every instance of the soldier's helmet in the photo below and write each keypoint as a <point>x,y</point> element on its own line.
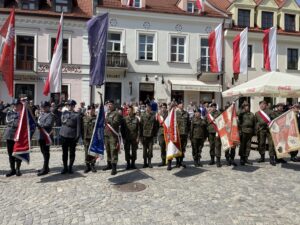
<point>71,102</point>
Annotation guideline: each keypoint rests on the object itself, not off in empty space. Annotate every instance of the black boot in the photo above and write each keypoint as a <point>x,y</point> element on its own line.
<point>71,169</point>
<point>163,163</point>
<point>199,163</point>
<point>43,171</point>
<point>196,162</point>
<point>281,161</point>
<point>177,162</point>
<point>149,163</point>
<point>219,162</point>
<point>145,163</point>
<point>169,165</point>
<point>108,166</point>
<point>128,165</point>
<point>228,161</point>
<point>232,161</point>
<point>133,165</point>
<point>247,161</point>
<point>242,161</point>
<point>88,168</point>
<point>93,168</point>
<point>18,170</point>
<point>114,169</point>
<point>272,161</point>
<point>212,160</point>
<point>181,162</point>
<point>65,169</point>
<point>12,171</point>
<point>262,158</point>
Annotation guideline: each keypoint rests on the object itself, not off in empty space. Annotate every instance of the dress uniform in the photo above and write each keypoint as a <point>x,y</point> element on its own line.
<point>184,125</point>
<point>12,119</point>
<point>45,121</point>
<point>197,136</point>
<point>247,128</point>
<point>89,121</point>
<point>213,138</point>
<point>148,130</point>
<point>70,133</point>
<point>131,137</point>
<point>263,133</point>
<point>161,116</point>
<point>113,122</point>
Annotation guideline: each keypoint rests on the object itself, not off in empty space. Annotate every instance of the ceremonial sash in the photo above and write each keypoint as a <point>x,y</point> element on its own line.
<point>264,116</point>
<point>117,135</point>
<point>212,121</point>
<point>160,119</point>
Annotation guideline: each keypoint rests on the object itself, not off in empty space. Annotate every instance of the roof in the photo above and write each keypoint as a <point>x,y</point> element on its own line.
<point>164,6</point>
<point>82,9</point>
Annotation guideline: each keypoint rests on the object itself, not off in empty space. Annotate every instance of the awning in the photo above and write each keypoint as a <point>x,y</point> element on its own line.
<point>194,85</point>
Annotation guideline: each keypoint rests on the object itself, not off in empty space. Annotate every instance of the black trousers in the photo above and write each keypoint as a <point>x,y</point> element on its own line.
<point>68,146</point>
<point>45,150</point>
<point>12,160</point>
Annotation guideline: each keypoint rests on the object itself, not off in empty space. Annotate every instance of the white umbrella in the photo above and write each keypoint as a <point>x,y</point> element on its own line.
<point>273,84</point>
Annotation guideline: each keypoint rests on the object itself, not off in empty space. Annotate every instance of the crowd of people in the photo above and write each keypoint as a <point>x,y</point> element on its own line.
<point>143,123</point>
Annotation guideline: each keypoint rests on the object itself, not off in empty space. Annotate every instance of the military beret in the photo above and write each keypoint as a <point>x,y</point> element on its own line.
<point>45,104</point>
<point>71,102</point>
<point>16,101</point>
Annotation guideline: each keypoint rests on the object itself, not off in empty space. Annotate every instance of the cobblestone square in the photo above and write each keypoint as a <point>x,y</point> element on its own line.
<point>260,194</point>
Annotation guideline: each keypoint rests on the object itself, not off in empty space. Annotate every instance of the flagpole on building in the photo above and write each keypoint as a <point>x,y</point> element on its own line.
<point>62,38</point>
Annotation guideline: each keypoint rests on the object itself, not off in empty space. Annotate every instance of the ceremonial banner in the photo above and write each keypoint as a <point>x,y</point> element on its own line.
<point>240,53</point>
<point>96,147</point>
<point>285,134</point>
<point>215,49</point>
<point>172,136</point>
<point>7,56</point>
<point>227,127</point>
<point>270,49</point>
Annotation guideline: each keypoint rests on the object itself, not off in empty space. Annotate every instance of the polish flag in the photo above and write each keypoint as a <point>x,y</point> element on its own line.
<point>200,5</point>
<point>53,83</point>
<point>215,49</point>
<point>270,49</point>
<point>7,57</point>
<point>240,53</point>
<point>129,3</point>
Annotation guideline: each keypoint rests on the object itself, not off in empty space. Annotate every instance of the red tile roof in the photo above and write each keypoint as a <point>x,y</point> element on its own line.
<point>161,6</point>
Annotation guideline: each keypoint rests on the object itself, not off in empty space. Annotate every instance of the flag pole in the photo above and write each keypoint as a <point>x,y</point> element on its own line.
<point>62,38</point>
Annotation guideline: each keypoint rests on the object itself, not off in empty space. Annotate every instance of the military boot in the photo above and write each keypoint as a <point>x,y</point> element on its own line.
<point>219,162</point>
<point>70,169</point>
<point>177,162</point>
<point>43,171</point>
<point>199,163</point>
<point>247,161</point>
<point>169,165</point>
<point>133,164</point>
<point>233,162</point>
<point>242,161</point>
<point>149,163</point>
<point>108,166</point>
<point>128,165</point>
<point>272,161</point>
<point>12,171</point>
<point>228,161</point>
<point>88,168</point>
<point>262,158</point>
<point>93,168</point>
<point>212,160</point>
<point>114,169</point>
<point>145,163</point>
<point>18,170</point>
<point>181,162</point>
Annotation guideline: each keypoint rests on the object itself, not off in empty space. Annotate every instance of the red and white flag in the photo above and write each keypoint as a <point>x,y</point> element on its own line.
<point>7,57</point>
<point>172,136</point>
<point>228,128</point>
<point>53,82</point>
<point>129,3</point>
<point>215,49</point>
<point>200,5</point>
<point>240,52</point>
<point>270,49</point>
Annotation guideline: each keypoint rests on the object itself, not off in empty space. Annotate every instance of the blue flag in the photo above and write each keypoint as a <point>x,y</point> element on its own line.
<point>97,143</point>
<point>97,40</point>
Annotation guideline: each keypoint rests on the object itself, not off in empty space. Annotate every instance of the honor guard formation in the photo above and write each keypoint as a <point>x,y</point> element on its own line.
<point>132,124</point>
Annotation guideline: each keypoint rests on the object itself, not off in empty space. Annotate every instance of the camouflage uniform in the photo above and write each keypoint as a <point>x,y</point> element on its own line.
<point>88,128</point>
<point>184,125</point>
<point>161,139</point>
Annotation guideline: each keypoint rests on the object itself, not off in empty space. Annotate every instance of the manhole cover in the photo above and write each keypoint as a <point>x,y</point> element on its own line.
<point>130,187</point>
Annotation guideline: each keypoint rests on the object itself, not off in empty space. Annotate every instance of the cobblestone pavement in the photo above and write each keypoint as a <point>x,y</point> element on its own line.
<point>258,194</point>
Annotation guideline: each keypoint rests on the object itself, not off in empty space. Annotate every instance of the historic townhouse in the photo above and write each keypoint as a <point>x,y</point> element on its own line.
<point>259,15</point>
<point>160,49</point>
<point>36,28</point>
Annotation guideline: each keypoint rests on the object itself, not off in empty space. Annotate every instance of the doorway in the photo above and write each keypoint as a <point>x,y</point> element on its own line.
<point>113,91</point>
<point>146,92</point>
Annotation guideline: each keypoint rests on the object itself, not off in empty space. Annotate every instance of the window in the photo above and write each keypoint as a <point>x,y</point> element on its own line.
<point>177,49</point>
<point>266,20</point>
<point>292,59</point>
<point>114,42</point>
<point>62,6</point>
<point>250,56</point>
<point>289,22</point>
<point>25,55</point>
<point>146,44</point>
<point>137,3</point>
<point>191,7</point>
<point>205,62</point>
<point>29,4</point>
<point>65,55</point>
<point>244,18</point>
<point>24,90</point>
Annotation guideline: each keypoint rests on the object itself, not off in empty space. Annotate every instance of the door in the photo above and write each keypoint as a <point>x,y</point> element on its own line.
<point>177,96</point>
<point>113,91</point>
<point>24,90</point>
<point>146,92</point>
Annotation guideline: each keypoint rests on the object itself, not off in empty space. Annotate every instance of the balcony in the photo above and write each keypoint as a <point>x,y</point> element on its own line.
<point>25,62</point>
<point>116,60</point>
<point>203,66</point>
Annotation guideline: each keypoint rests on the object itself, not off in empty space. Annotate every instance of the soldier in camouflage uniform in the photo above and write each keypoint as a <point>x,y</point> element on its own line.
<point>161,116</point>
<point>184,125</point>
<point>113,122</point>
<point>213,138</point>
<point>131,137</point>
<point>148,130</point>
<point>263,133</point>
<point>247,128</point>
<point>89,121</point>
<point>197,136</point>
<point>12,119</point>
